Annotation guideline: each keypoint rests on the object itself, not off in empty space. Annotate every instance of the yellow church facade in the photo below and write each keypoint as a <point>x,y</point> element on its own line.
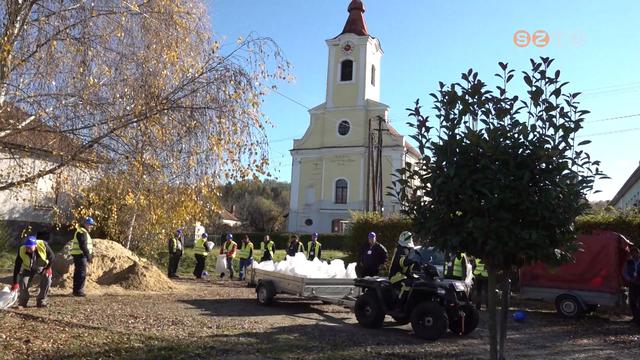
<point>334,165</point>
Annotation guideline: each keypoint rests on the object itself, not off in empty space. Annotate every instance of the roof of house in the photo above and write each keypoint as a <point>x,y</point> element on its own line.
<point>355,22</point>
<point>33,137</point>
<point>635,176</point>
<point>409,148</point>
<point>226,215</point>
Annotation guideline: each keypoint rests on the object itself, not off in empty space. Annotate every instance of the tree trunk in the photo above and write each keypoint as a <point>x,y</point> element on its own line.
<point>492,304</point>
<point>506,291</point>
<point>131,225</point>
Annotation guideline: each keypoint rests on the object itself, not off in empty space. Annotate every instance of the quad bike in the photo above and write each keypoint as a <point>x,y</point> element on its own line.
<point>432,305</point>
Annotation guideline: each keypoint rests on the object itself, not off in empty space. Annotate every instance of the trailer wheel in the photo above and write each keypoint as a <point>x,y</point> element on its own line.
<point>266,292</point>
<point>569,306</point>
<point>429,321</point>
<point>368,310</point>
<point>471,320</point>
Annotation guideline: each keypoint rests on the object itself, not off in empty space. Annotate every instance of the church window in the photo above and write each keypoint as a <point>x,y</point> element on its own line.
<point>373,75</point>
<point>342,188</point>
<point>343,127</point>
<point>337,226</point>
<point>346,70</point>
<point>308,222</point>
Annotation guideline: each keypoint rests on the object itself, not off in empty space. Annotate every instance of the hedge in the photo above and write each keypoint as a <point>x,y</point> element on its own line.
<point>626,223</point>
<point>387,231</point>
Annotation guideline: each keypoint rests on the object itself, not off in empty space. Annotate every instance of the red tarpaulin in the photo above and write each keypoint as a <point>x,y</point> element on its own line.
<point>597,268</point>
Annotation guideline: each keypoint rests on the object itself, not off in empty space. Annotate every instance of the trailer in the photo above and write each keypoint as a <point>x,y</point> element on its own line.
<point>580,287</point>
<point>268,284</point>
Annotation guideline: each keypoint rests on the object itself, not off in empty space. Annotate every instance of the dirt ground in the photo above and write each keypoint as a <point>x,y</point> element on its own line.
<point>221,320</point>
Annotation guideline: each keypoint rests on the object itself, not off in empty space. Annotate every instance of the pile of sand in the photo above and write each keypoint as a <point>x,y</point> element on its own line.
<point>112,265</point>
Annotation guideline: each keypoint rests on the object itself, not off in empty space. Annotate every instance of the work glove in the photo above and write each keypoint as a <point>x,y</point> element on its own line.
<point>48,272</point>
<point>15,287</point>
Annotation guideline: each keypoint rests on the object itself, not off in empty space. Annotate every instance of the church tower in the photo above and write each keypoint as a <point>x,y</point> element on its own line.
<point>332,171</point>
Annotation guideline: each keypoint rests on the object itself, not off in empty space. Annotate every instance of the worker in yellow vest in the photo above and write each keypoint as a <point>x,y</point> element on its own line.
<point>457,267</point>
<point>82,252</point>
<point>480,283</point>
<point>402,265</point>
<point>268,248</point>
<point>200,252</point>
<point>245,253</point>
<point>229,249</point>
<point>176,245</point>
<point>314,248</point>
<point>34,257</point>
<point>295,246</point>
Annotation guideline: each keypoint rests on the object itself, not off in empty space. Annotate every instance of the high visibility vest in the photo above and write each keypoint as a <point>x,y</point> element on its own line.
<point>198,247</point>
<point>229,245</point>
<point>245,250</point>
<point>41,250</point>
<point>480,270</point>
<point>174,244</point>
<point>457,267</point>
<point>315,251</point>
<point>269,248</point>
<point>75,245</point>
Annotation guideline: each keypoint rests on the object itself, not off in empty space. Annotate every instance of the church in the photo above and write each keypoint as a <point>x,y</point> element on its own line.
<point>345,159</point>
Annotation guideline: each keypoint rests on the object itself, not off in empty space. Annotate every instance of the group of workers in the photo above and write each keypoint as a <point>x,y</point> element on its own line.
<point>230,249</point>
<point>373,255</point>
<point>35,259</point>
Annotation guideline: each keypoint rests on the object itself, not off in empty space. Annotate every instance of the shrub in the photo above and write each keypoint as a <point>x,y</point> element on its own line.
<point>387,230</point>
<point>626,223</point>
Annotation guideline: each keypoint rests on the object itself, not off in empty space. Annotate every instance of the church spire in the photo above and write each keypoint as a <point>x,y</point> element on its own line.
<point>355,23</point>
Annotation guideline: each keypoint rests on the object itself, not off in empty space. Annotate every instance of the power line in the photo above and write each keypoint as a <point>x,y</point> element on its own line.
<point>291,99</point>
<point>614,118</point>
<point>610,132</point>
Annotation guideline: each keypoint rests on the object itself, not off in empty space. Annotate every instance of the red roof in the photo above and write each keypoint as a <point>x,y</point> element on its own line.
<point>355,23</point>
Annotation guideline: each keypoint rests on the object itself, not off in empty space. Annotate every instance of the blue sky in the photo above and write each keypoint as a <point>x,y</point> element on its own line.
<point>595,43</point>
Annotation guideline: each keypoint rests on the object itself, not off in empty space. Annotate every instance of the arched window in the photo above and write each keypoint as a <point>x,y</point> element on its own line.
<point>343,127</point>
<point>373,75</point>
<point>342,187</point>
<point>346,70</point>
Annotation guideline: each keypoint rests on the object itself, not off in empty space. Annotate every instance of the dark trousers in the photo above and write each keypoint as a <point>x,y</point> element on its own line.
<point>79,273</point>
<point>174,261</point>
<point>480,293</point>
<point>200,264</point>
<point>634,301</point>
<point>25,278</point>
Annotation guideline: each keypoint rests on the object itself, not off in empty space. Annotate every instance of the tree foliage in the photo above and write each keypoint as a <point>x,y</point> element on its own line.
<point>500,178</point>
<point>134,81</point>
<point>262,204</point>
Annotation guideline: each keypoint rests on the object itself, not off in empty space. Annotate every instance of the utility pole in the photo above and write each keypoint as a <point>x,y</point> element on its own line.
<point>375,185</point>
<point>368,174</point>
<point>380,183</point>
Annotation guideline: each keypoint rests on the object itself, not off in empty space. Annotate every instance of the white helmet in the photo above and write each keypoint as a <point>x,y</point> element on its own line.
<point>406,239</point>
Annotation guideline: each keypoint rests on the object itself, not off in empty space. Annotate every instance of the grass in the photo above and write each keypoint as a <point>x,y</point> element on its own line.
<point>188,262</point>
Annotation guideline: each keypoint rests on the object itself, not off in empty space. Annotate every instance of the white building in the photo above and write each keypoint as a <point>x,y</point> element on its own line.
<point>629,194</point>
<point>24,152</point>
<point>332,169</point>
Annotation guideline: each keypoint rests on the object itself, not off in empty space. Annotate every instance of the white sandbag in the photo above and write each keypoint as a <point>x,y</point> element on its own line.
<point>7,298</point>
<point>209,245</point>
<point>351,271</point>
<point>338,270</point>
<point>221,263</point>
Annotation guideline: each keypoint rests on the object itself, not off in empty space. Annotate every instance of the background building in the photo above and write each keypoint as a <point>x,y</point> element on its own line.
<point>345,160</point>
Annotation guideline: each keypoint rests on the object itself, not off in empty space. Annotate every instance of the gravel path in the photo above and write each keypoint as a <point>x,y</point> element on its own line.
<point>221,320</point>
